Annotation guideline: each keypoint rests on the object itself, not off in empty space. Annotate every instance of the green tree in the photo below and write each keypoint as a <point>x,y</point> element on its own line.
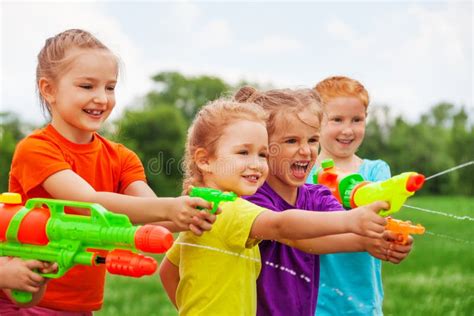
<point>186,93</point>
<point>157,135</point>
<point>10,135</point>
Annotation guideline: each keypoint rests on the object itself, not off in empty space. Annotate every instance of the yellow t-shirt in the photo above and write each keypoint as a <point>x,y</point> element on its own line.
<point>218,271</point>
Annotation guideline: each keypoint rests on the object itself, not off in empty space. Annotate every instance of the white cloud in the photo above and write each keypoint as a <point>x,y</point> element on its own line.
<point>274,45</point>
<point>26,26</point>
<point>214,34</point>
<point>412,57</point>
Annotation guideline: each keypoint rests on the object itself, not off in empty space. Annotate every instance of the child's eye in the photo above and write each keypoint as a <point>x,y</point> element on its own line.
<point>243,152</point>
<point>358,119</point>
<point>86,86</point>
<point>337,119</point>
<point>111,88</point>
<point>313,140</point>
<point>290,141</point>
<point>263,155</point>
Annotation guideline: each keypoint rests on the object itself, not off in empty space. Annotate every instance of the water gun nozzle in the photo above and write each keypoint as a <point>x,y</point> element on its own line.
<point>415,182</point>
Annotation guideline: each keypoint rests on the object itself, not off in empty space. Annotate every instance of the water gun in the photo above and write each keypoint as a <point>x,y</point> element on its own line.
<point>212,195</point>
<point>352,191</point>
<point>403,229</point>
<point>41,230</point>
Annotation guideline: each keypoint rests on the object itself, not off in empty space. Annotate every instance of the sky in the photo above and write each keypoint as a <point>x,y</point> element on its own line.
<point>409,55</point>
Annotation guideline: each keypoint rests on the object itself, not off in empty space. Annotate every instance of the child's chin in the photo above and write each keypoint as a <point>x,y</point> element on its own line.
<point>246,191</point>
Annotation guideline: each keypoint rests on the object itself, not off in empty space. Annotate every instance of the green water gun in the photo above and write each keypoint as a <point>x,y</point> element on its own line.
<point>42,230</point>
<point>212,195</point>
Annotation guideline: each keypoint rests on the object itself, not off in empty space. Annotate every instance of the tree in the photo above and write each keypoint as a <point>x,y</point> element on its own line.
<point>157,135</point>
<point>188,94</point>
<point>10,135</point>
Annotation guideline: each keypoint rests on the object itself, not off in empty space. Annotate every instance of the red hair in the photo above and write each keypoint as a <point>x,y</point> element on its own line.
<point>339,86</point>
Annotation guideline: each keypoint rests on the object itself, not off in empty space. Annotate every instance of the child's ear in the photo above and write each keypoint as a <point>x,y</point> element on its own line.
<point>201,157</point>
<point>47,90</point>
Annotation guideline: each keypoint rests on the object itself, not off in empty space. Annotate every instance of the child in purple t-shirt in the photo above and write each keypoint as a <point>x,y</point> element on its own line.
<point>227,149</point>
<point>288,282</point>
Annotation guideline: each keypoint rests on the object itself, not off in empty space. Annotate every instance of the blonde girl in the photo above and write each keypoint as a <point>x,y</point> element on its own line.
<point>216,273</point>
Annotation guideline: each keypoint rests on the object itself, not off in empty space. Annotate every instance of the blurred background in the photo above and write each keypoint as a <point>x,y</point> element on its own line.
<point>414,58</point>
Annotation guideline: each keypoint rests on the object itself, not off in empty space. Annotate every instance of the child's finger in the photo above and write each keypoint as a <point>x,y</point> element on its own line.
<point>31,288</point>
<point>377,206</point>
<point>195,230</point>
<point>35,277</point>
<point>49,267</point>
<point>400,248</point>
<point>390,236</point>
<point>34,264</point>
<point>201,223</point>
<point>196,201</point>
<point>208,217</point>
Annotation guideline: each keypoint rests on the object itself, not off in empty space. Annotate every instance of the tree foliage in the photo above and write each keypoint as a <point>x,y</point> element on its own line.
<point>441,138</point>
<point>10,133</point>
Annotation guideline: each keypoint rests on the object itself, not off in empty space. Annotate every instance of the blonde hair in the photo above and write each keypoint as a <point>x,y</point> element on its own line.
<point>340,86</point>
<point>279,103</point>
<point>52,60</point>
<point>208,126</point>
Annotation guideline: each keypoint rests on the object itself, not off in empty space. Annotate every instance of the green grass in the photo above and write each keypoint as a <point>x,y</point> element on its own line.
<point>438,276</point>
<point>436,279</point>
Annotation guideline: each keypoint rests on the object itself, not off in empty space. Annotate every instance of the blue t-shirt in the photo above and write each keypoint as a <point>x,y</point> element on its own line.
<point>351,283</point>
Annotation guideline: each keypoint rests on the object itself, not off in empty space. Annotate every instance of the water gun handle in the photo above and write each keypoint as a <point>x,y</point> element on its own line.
<point>21,296</point>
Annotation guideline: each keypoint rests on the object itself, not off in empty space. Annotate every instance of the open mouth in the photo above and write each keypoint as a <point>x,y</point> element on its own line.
<point>299,169</point>
<point>92,112</point>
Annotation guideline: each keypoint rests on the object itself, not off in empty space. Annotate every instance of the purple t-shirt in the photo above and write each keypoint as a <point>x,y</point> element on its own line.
<point>289,280</point>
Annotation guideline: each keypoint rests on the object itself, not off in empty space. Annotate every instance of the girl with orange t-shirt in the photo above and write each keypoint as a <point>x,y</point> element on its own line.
<point>76,77</point>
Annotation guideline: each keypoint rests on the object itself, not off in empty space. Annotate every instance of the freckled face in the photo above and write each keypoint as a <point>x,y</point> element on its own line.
<point>343,127</point>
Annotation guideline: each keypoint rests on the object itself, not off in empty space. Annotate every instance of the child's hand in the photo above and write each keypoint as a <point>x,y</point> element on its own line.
<point>48,267</point>
<point>186,212</point>
<point>202,222</point>
<point>396,252</point>
<point>18,274</point>
<point>365,220</point>
<point>385,248</point>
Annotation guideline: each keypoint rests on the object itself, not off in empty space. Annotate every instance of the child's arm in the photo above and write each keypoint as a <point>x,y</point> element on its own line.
<point>18,274</point>
<point>169,275</point>
<point>182,210</point>
<point>298,224</point>
<point>382,248</point>
<point>202,222</point>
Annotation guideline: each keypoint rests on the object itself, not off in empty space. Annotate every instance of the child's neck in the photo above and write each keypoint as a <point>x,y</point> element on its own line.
<point>347,164</point>
<point>286,192</point>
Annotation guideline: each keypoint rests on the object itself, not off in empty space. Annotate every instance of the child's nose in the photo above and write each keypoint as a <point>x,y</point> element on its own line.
<point>100,97</point>
<point>305,150</point>
<point>347,129</point>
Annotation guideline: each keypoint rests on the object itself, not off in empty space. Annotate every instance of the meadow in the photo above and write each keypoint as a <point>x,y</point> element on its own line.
<point>436,279</point>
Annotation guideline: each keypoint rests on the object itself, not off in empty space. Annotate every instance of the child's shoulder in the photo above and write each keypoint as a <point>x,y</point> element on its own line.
<point>318,197</point>
<point>374,170</point>
<point>314,190</point>
<point>38,138</point>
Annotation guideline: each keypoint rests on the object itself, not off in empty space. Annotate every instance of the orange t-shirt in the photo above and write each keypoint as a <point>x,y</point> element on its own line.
<point>105,165</point>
